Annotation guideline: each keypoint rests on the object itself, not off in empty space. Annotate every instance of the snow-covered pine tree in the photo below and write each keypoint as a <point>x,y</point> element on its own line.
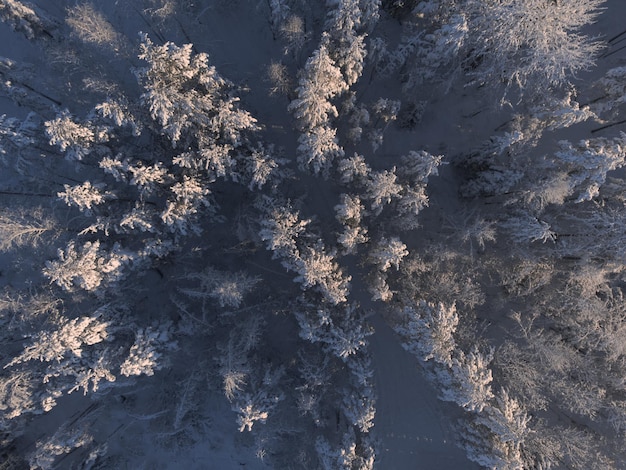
<point>317,268</point>
<point>437,52</point>
<point>340,329</point>
<point>533,42</point>
<point>25,19</point>
<point>63,441</point>
<point>76,140</point>
<point>145,355</point>
<point>85,196</point>
<point>360,408</point>
<point>68,355</point>
<point>387,253</point>
<point>19,228</point>
<point>348,455</point>
<point>256,406</point>
<point>280,230</point>
<point>508,428</point>
<point>321,81</point>
<point>379,288</point>
<point>527,229</point>
<point>382,188</point>
<point>91,27</point>
<point>418,166</point>
<point>187,96</point>
<point>428,331</point>
<point>353,169</point>
<point>554,112</point>
<point>318,149</point>
<point>226,288</point>
<point>613,87</point>
<point>349,213</point>
<point>17,397</point>
<point>89,266</point>
<point>530,46</point>
<point>588,162</point>
<point>347,46</point>
<point>189,196</point>
<point>261,168</point>
<point>471,380</point>
<point>68,340</point>
<point>119,113</point>
<point>350,57</point>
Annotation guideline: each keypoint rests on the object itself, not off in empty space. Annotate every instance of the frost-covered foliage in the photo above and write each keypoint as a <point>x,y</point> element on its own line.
<point>498,437</point>
<point>348,46</point>
<point>253,394</point>
<point>169,174</point>
<point>360,409</point>
<point>403,189</point>
<point>119,113</point>
<point>419,166</point>
<point>25,228</point>
<point>75,139</point>
<point>428,331</point>
<point>16,397</point>
<point>84,196</point>
<point>437,51</point>
<point>340,329</point>
<point>66,356</point>
<point>506,162</point>
<point>24,19</point>
<point>88,267</point>
<point>317,269</point>
<point>321,80</point>
<point>557,113</point>
<point>533,45</point>
<point>613,87</point>
<point>388,253</point>
<point>471,380</point>
<point>330,71</point>
<point>67,341</point>
<point>63,441</point>
<point>353,168</point>
<point>588,162</point>
<point>528,229</point>
<point>280,230</point>
<point>187,95</point>
<point>533,41</point>
<point>382,188</point>
<point>262,169</point>
<point>497,433</point>
<point>91,26</point>
<point>318,149</point>
<point>346,456</point>
<point>227,289</point>
<point>349,213</point>
<point>189,196</point>
<point>255,407</point>
<point>145,354</point>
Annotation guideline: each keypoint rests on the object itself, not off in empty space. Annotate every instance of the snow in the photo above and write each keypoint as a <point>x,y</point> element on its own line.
<point>158,416</point>
<point>414,427</point>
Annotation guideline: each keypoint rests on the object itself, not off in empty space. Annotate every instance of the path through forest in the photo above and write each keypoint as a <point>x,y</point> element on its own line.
<point>413,426</point>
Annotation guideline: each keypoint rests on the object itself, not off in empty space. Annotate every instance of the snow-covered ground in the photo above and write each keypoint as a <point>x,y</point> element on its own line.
<point>143,423</point>
<point>414,427</point>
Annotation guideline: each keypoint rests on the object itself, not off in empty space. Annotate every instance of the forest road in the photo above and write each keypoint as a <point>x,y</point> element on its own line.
<point>413,427</point>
